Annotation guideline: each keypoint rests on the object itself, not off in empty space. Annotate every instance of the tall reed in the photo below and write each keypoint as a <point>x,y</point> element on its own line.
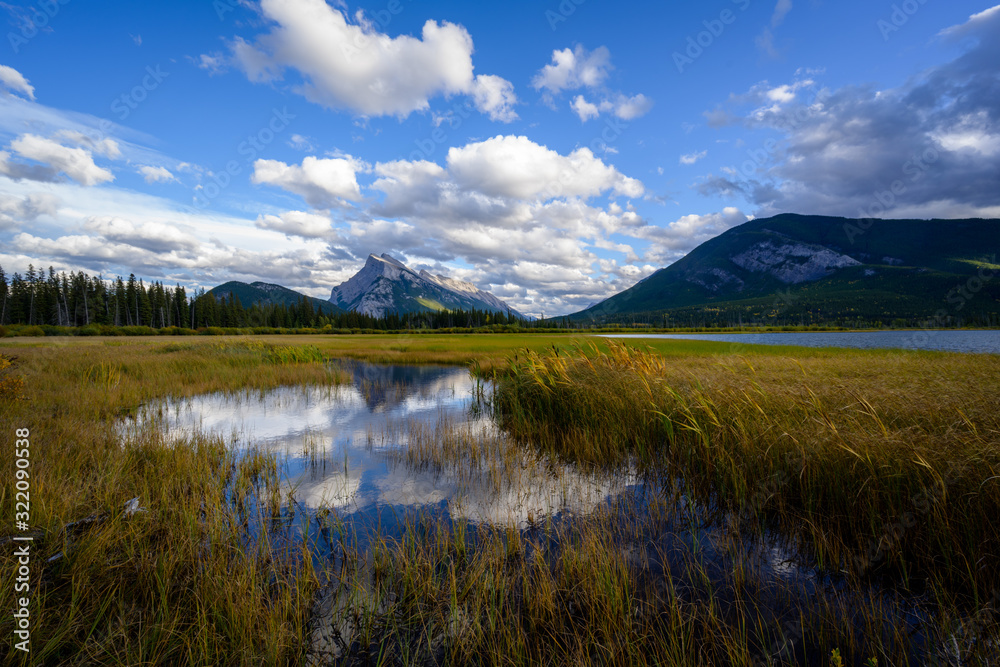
<point>879,462</point>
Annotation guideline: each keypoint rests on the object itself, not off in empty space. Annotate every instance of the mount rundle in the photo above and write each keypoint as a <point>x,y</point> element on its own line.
<point>386,285</point>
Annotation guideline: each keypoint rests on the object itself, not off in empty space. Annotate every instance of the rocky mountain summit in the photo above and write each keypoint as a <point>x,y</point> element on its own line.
<point>386,285</point>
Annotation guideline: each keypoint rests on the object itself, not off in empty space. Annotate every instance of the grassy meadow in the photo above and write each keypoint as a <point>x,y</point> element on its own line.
<point>879,469</point>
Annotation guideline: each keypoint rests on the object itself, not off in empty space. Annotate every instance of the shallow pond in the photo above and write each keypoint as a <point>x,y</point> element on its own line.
<point>406,446</point>
<point>353,449</point>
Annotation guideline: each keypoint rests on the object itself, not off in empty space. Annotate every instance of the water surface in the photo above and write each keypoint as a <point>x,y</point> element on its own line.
<point>347,448</point>
<point>947,340</point>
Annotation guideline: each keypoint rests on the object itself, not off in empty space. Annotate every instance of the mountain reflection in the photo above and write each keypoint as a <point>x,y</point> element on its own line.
<point>348,448</point>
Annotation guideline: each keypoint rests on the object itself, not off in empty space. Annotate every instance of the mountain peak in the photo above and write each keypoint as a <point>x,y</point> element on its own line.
<point>392,260</point>
<point>386,285</point>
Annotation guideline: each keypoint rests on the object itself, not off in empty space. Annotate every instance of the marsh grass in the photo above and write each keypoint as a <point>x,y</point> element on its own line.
<point>179,583</point>
<point>654,577</point>
<point>880,465</point>
<point>768,479</point>
<point>598,590</point>
<point>11,384</point>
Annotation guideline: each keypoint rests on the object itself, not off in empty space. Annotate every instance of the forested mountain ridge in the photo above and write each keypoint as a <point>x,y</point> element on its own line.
<point>813,269</point>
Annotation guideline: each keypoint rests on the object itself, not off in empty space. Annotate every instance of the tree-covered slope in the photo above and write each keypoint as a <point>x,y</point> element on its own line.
<point>837,267</point>
<point>266,293</point>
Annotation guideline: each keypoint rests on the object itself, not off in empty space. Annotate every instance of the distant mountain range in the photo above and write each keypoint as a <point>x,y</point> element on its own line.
<point>785,269</point>
<point>266,293</point>
<point>385,285</point>
<point>824,268</point>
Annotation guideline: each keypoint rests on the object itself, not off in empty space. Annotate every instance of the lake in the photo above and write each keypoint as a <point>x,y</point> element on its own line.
<point>945,340</point>
<point>405,444</point>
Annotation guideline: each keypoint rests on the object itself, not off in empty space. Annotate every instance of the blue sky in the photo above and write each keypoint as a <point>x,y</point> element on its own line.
<point>551,152</point>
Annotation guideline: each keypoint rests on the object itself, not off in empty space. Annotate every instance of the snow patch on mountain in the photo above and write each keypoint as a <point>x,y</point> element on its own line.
<point>267,287</point>
<point>462,287</point>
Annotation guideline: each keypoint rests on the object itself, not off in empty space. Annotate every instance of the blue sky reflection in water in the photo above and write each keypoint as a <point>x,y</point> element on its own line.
<point>345,448</point>
<point>370,452</point>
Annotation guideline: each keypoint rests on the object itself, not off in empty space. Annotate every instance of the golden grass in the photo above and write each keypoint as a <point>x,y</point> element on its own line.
<point>175,584</point>
<point>646,581</point>
<point>878,461</point>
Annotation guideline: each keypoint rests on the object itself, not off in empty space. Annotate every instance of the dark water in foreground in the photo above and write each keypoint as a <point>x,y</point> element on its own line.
<point>946,340</point>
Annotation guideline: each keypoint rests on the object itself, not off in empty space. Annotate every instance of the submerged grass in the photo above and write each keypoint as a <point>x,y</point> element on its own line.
<point>646,579</point>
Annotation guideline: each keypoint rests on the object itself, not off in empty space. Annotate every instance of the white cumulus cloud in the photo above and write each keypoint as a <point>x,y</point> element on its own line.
<point>629,108</point>
<point>572,69</point>
<point>15,210</point>
<point>578,68</point>
<point>297,223</point>
<point>515,166</point>
<point>495,96</point>
<point>351,65</point>
<point>149,235</point>
<point>156,174</point>
<point>584,109</point>
<point>692,158</point>
<point>107,147</point>
<point>77,163</point>
<point>321,182</point>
